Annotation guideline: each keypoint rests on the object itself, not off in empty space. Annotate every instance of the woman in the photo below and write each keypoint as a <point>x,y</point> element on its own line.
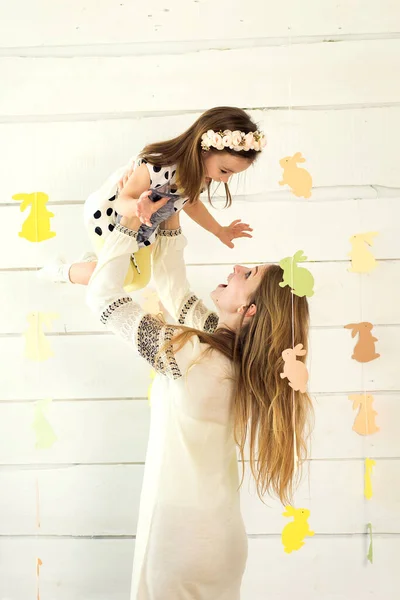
<point>217,386</point>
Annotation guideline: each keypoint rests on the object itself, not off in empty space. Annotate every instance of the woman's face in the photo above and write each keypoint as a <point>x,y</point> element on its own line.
<point>220,166</point>
<point>232,297</point>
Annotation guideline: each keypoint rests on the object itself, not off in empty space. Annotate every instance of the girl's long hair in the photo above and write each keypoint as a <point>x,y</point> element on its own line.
<point>263,401</point>
<point>185,150</point>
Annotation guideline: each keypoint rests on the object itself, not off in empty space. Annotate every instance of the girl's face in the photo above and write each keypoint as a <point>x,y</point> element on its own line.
<point>220,166</point>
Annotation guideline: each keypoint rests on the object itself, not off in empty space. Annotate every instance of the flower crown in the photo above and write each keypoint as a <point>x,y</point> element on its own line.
<point>235,140</point>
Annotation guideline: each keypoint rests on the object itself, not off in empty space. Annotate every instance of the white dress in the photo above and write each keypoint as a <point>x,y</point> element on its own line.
<point>191,542</point>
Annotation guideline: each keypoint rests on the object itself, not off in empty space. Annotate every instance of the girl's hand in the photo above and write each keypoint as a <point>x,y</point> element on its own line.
<point>145,207</point>
<point>236,229</point>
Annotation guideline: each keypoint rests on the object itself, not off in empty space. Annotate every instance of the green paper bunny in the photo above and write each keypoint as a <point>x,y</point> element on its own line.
<point>299,279</point>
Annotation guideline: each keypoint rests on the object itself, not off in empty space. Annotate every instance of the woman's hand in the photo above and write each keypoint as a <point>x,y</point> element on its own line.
<point>236,229</point>
<point>145,207</point>
<point>142,208</point>
<point>125,177</point>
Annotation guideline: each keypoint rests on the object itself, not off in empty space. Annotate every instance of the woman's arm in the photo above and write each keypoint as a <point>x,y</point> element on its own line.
<point>137,183</point>
<point>169,275</point>
<point>123,316</point>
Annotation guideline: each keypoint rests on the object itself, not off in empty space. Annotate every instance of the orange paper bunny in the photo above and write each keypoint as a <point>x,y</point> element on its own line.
<point>294,370</point>
<point>298,179</point>
<point>362,261</point>
<point>364,350</point>
<point>364,423</point>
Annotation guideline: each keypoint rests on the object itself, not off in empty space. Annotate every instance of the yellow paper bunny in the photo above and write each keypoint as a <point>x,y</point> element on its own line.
<point>37,346</point>
<point>299,180</point>
<point>45,436</point>
<point>294,533</point>
<point>37,226</point>
<point>362,261</point>
<point>369,465</point>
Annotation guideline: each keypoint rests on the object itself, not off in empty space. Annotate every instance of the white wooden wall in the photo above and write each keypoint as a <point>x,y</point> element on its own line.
<point>84,84</point>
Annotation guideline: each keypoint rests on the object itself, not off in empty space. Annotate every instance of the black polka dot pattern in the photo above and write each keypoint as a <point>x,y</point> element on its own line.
<point>104,217</point>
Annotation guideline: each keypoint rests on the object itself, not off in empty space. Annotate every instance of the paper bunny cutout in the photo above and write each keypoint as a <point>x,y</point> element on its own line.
<point>294,533</point>
<point>299,180</point>
<point>364,350</point>
<point>362,260</point>
<point>364,423</point>
<point>299,279</point>
<point>369,465</point>
<point>294,370</point>
<point>37,345</point>
<point>37,226</point>
<point>45,436</point>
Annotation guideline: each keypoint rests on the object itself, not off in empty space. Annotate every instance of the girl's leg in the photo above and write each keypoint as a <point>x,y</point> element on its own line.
<point>139,271</point>
<point>58,271</point>
<point>81,272</point>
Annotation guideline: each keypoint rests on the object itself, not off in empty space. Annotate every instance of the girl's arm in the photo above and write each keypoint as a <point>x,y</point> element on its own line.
<point>123,316</point>
<point>199,213</point>
<point>169,276</point>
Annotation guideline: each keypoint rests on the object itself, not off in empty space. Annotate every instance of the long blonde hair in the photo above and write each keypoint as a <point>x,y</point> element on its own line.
<point>263,402</point>
<point>185,151</point>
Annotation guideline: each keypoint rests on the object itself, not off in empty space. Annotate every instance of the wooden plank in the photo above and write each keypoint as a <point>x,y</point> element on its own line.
<point>72,568</point>
<point>40,24</point>
<point>334,493</point>
<point>333,436</point>
<point>104,500</point>
<point>322,230</point>
<point>310,569</point>
<point>101,569</point>
<point>115,431</point>
<point>356,72</point>
<point>102,366</point>
<point>109,431</point>
<point>92,366</point>
<point>340,297</point>
<point>75,170</point>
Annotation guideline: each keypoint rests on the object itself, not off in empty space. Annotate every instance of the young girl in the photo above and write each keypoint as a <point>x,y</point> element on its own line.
<point>224,141</point>
<point>218,387</point>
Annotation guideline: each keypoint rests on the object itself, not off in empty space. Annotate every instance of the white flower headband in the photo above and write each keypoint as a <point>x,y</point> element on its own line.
<point>235,140</point>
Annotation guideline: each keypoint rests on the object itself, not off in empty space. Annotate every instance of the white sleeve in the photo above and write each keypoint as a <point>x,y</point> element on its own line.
<point>169,275</point>
<point>123,316</point>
